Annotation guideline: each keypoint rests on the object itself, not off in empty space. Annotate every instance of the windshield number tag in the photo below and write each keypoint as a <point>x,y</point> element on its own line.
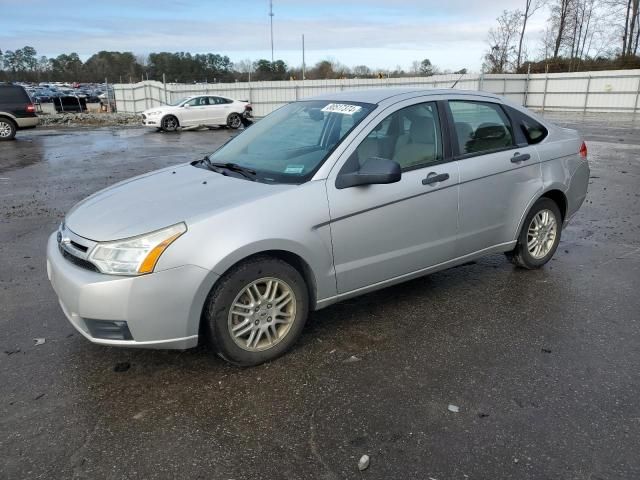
<point>294,169</point>
<point>343,108</point>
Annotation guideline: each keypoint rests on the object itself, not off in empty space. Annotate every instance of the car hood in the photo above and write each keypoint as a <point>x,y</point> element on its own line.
<point>159,199</point>
<point>161,108</point>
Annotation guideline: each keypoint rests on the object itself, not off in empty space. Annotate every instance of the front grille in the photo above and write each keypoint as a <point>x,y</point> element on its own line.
<point>78,262</point>
<point>82,248</point>
<point>144,116</point>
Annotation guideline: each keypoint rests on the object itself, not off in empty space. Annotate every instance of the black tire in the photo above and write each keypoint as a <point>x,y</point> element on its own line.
<point>7,129</point>
<point>521,256</point>
<point>234,120</point>
<point>170,123</point>
<point>222,296</point>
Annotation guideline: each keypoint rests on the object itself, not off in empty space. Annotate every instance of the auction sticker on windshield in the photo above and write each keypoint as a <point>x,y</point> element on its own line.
<point>294,169</point>
<point>342,108</point>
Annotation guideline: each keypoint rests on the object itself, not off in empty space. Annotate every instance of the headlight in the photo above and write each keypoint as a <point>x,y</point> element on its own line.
<point>157,112</point>
<point>135,255</point>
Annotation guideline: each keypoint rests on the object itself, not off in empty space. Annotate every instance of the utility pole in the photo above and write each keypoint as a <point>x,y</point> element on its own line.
<point>271,19</point>
<point>303,64</point>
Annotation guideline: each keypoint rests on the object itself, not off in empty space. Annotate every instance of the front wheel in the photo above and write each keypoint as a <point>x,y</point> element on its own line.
<point>257,311</point>
<point>7,129</point>
<point>539,237</point>
<point>234,120</point>
<point>170,123</point>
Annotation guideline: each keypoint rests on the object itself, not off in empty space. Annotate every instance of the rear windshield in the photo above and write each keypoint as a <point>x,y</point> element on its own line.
<point>13,94</point>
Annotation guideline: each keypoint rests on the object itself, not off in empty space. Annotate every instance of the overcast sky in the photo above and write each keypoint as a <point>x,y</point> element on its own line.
<point>377,33</point>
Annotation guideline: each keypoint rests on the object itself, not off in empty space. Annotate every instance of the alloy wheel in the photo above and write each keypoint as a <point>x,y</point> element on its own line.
<point>541,234</point>
<point>5,129</point>
<point>262,314</point>
<point>235,121</point>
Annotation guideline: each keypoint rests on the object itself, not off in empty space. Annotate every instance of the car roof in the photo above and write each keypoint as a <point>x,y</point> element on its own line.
<point>378,95</point>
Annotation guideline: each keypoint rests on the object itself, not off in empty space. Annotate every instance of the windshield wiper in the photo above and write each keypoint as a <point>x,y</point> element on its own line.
<point>206,161</point>
<point>234,167</point>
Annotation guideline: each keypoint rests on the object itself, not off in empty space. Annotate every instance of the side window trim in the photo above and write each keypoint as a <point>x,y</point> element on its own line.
<point>516,126</point>
<point>453,134</point>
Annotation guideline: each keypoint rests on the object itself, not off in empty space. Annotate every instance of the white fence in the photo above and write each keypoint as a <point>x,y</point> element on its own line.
<point>604,91</point>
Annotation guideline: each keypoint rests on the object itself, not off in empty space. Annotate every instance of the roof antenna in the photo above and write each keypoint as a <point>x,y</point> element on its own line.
<point>456,82</point>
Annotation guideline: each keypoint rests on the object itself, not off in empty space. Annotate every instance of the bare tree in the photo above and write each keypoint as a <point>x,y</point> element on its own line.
<point>632,17</point>
<point>531,6</point>
<point>560,12</point>
<point>502,54</point>
<point>244,66</point>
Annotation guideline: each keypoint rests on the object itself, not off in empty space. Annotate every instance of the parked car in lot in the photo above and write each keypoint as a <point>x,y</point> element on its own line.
<point>322,200</point>
<point>208,110</point>
<point>17,111</point>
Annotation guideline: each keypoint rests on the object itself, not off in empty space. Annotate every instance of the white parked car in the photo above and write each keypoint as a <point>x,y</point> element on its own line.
<point>199,110</point>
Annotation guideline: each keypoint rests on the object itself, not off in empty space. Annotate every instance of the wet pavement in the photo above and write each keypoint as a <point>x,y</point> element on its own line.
<point>543,365</point>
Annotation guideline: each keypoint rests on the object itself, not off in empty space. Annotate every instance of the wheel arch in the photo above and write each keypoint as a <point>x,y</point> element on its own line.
<point>553,193</point>
<point>9,117</point>
<point>559,197</point>
<point>292,258</point>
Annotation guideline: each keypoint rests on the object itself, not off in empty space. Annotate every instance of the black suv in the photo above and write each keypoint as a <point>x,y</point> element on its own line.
<point>16,111</point>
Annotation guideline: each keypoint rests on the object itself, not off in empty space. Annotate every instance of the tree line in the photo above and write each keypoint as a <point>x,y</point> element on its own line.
<point>580,35</point>
<point>26,65</point>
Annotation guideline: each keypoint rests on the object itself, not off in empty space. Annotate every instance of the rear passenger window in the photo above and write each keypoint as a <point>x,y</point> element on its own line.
<point>11,94</point>
<point>533,131</point>
<point>411,136</point>
<point>480,127</point>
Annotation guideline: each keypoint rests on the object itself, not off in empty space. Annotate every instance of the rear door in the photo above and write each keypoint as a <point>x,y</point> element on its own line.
<point>499,173</point>
<point>219,110</point>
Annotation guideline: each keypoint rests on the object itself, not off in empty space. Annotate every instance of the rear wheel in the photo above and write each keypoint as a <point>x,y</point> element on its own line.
<point>539,237</point>
<point>170,123</point>
<point>7,129</point>
<point>256,312</point>
<point>234,120</point>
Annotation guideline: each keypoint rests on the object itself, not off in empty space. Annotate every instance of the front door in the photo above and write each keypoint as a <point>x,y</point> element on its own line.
<point>194,112</point>
<point>381,232</point>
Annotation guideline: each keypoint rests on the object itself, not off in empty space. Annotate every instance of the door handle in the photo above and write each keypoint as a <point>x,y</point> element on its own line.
<point>433,177</point>
<point>520,158</point>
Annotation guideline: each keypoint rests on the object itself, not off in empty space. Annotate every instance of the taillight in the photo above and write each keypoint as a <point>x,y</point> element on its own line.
<point>583,150</point>
<point>30,108</point>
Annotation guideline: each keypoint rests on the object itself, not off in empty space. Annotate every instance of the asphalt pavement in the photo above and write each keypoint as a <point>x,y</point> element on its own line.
<point>544,366</point>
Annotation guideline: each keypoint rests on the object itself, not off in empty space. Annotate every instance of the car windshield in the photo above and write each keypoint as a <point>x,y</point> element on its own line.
<point>179,102</point>
<point>290,144</point>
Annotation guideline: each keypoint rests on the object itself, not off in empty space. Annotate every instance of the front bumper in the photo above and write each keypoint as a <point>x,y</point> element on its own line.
<point>154,121</point>
<point>162,309</point>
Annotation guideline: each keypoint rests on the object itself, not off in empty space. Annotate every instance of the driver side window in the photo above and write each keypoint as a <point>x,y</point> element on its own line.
<point>197,102</point>
<point>410,136</point>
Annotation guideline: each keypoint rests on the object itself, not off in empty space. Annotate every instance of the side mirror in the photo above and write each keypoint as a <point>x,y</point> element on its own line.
<point>374,171</point>
<point>186,105</point>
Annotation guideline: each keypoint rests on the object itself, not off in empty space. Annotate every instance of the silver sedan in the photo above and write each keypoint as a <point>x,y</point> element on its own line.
<point>323,200</point>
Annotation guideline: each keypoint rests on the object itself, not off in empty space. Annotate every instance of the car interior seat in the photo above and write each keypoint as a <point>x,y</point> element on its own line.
<point>419,145</point>
<point>489,136</point>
